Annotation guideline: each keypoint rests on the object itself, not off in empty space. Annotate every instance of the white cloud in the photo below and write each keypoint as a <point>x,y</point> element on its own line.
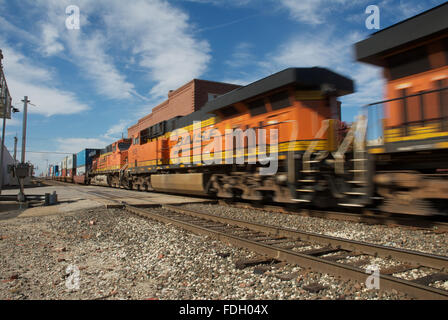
<point>154,33</point>
<point>162,41</point>
<point>88,50</point>
<point>311,11</point>
<point>16,65</point>
<point>15,122</point>
<point>242,56</point>
<point>118,129</point>
<point>50,44</point>
<point>97,65</point>
<point>335,53</point>
<point>24,78</point>
<point>49,101</point>
<point>75,145</point>
<point>237,3</point>
<point>9,28</point>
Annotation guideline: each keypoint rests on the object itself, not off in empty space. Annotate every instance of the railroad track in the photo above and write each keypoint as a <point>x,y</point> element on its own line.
<point>317,252</point>
<point>368,217</point>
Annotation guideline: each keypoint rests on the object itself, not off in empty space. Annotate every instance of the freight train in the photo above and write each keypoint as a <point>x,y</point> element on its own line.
<point>289,124</point>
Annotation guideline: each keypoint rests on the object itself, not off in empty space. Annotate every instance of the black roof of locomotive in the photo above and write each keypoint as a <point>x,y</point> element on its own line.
<point>306,78</point>
<point>417,28</point>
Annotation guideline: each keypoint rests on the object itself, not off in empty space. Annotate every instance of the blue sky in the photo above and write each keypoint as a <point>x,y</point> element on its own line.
<point>89,85</point>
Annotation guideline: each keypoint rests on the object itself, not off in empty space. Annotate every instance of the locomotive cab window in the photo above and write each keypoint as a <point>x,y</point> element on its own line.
<point>445,48</point>
<point>408,63</point>
<point>280,100</point>
<point>144,136</point>
<point>123,146</point>
<point>229,111</point>
<point>257,107</point>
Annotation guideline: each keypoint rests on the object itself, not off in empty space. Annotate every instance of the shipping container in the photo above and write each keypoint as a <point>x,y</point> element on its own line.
<point>71,162</point>
<point>71,165</point>
<point>84,161</point>
<point>61,167</point>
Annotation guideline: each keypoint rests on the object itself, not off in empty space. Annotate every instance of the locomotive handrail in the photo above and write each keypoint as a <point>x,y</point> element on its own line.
<point>313,145</point>
<point>359,127</point>
<point>405,97</point>
<point>404,123</point>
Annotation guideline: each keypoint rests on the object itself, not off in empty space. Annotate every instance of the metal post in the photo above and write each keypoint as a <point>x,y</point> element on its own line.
<point>4,126</point>
<point>21,195</point>
<point>1,153</point>
<point>25,111</point>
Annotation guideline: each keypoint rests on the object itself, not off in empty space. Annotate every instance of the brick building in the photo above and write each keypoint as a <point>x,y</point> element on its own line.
<point>183,101</point>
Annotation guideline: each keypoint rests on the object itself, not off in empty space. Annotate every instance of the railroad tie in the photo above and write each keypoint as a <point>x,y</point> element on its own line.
<point>244,263</point>
<point>320,251</point>
<point>431,278</point>
<point>397,269</point>
<point>359,263</point>
<point>339,256</point>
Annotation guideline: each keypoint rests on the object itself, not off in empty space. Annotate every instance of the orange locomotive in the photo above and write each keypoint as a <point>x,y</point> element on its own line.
<point>299,103</point>
<point>412,157</point>
<point>108,167</point>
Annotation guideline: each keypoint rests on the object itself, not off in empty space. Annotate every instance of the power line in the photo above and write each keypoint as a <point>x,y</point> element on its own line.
<point>46,152</point>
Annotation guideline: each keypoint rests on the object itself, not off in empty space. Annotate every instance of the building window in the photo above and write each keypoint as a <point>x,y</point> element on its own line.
<point>280,100</point>
<point>212,96</point>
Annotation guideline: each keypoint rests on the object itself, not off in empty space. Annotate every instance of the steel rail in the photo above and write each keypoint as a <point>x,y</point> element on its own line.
<point>367,217</point>
<point>413,257</point>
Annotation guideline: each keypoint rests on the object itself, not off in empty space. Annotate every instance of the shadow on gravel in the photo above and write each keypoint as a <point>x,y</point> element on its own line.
<point>6,215</point>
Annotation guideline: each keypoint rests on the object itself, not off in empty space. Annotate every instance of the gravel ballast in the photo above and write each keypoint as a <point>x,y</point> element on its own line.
<point>121,256</point>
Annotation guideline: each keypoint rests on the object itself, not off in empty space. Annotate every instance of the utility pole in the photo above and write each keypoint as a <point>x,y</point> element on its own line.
<point>22,170</point>
<point>15,150</point>
<point>2,83</point>
<point>25,111</point>
<point>3,147</point>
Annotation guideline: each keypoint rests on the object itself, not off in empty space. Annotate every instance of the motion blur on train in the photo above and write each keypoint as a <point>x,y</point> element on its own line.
<point>394,157</point>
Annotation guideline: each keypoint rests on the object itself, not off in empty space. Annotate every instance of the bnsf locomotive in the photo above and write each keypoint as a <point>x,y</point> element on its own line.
<point>394,156</point>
